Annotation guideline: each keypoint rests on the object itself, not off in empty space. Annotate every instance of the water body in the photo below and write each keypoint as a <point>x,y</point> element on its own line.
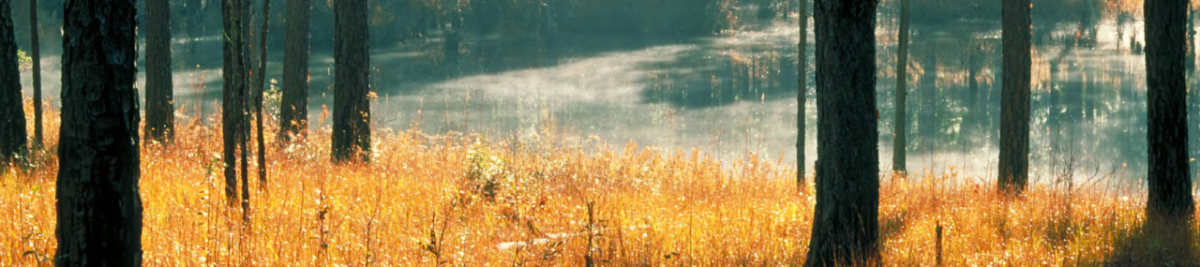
<point>734,93</point>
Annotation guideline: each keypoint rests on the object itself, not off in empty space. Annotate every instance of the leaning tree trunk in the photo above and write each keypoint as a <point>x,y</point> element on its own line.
<point>351,108</point>
<point>802,96</point>
<point>1170,190</point>
<point>900,121</point>
<point>99,207</point>
<point>160,110</point>
<point>35,52</point>
<point>1014,114</point>
<point>234,98</point>
<point>293,110</point>
<point>12,115</point>
<point>845,226</point>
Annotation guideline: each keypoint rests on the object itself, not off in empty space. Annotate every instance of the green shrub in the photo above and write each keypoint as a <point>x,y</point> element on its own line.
<point>23,60</point>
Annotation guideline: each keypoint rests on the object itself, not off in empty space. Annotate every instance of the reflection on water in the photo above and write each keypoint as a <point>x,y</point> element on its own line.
<point>732,94</point>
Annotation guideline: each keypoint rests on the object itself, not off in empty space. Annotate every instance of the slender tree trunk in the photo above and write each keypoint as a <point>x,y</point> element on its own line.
<point>293,110</point>
<point>12,113</point>
<point>244,135</point>
<point>802,96</point>
<point>35,51</point>
<point>258,94</point>
<point>900,122</point>
<point>845,224</point>
<point>1014,114</point>
<point>233,107</point>
<point>99,207</point>
<point>1170,189</point>
<point>160,109</point>
<point>351,108</point>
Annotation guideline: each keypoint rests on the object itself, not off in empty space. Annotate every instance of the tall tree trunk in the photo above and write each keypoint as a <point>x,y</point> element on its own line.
<point>802,95</point>
<point>244,135</point>
<point>258,94</point>
<point>160,109</point>
<point>900,122</point>
<point>35,51</point>
<point>234,98</point>
<point>351,108</point>
<point>1170,189</point>
<point>293,109</point>
<point>845,224</point>
<point>99,207</point>
<point>1014,114</point>
<point>12,113</point>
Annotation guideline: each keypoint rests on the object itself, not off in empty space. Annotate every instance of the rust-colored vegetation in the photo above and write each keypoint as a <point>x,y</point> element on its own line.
<point>458,200</point>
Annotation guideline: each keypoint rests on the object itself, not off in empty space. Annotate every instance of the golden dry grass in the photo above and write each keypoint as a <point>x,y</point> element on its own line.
<point>458,201</point>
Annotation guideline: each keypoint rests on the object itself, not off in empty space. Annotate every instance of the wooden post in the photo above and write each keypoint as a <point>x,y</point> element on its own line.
<point>939,244</point>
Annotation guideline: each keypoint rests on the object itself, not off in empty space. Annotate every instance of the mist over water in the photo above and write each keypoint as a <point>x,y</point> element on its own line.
<point>734,93</point>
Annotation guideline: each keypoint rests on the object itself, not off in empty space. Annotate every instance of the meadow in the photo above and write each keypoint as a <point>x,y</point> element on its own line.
<point>560,199</point>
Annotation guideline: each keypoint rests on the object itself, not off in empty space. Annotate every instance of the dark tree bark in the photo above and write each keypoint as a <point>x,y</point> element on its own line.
<point>160,107</point>
<point>1170,189</point>
<point>244,138</point>
<point>261,82</point>
<point>1014,114</point>
<point>845,224</point>
<point>900,121</point>
<point>35,52</point>
<point>12,115</point>
<point>99,207</point>
<point>351,108</point>
<point>234,97</point>
<point>802,96</point>
<point>293,111</point>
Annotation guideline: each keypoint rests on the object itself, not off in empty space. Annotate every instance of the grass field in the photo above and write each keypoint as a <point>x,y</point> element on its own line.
<point>456,200</point>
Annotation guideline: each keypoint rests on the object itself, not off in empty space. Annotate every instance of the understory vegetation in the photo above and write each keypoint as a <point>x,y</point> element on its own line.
<point>467,200</point>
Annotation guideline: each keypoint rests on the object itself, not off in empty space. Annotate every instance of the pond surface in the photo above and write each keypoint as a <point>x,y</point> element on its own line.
<point>734,94</point>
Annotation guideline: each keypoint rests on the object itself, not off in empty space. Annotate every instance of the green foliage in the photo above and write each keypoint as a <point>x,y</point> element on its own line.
<point>24,62</point>
<point>486,172</point>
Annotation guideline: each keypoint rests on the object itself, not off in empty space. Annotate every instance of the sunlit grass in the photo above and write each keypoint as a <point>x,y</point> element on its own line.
<point>457,199</point>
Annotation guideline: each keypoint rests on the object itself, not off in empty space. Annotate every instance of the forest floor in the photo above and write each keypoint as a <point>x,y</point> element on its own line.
<point>455,200</point>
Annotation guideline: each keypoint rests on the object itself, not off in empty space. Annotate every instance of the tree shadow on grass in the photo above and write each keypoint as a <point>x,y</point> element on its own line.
<point>1156,245</point>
